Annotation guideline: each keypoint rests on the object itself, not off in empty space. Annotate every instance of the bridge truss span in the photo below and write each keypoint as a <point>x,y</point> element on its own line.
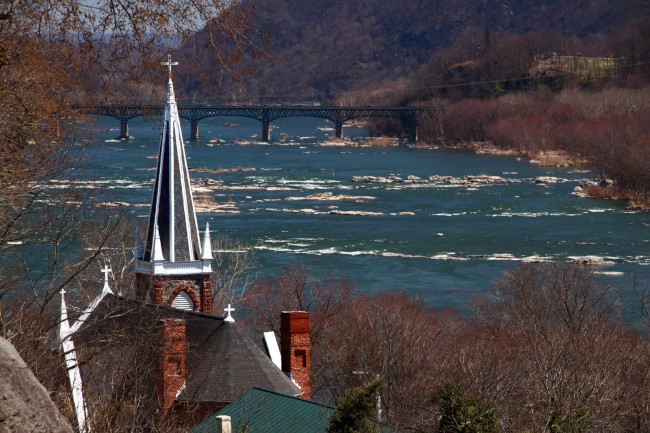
<point>409,116</point>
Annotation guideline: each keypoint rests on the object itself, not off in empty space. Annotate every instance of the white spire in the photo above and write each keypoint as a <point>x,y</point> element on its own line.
<point>173,242</point>
<point>228,317</point>
<point>105,291</point>
<point>207,244</point>
<point>157,253</point>
<point>74,374</point>
<point>64,325</point>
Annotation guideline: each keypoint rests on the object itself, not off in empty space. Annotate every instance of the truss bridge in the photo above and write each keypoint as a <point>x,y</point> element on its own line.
<point>409,116</point>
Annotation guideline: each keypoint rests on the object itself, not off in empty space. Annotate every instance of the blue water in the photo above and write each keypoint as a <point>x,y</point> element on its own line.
<point>406,239</point>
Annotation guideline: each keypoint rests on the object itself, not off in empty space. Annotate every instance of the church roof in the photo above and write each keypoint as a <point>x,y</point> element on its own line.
<point>261,411</point>
<point>237,365</point>
<point>172,208</point>
<point>222,361</point>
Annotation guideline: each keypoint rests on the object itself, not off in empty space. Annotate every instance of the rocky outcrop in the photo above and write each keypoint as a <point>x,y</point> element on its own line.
<point>25,405</point>
<point>464,181</point>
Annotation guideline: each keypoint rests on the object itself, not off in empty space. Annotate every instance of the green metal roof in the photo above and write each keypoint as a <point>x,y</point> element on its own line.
<point>263,411</point>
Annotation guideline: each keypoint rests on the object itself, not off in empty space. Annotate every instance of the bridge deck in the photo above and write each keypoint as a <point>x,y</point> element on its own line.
<point>409,116</point>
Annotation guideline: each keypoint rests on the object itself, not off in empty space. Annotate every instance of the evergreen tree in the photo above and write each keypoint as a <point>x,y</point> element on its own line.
<point>354,410</point>
<point>461,413</point>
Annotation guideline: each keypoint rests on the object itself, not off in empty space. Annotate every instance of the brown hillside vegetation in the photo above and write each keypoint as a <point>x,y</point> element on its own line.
<point>611,129</point>
<point>321,49</point>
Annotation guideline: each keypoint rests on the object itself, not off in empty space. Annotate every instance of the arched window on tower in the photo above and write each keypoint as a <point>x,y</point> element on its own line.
<point>183,301</point>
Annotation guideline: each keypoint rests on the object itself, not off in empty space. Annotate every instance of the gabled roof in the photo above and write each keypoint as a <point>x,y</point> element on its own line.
<point>172,208</point>
<point>222,362</point>
<point>262,411</point>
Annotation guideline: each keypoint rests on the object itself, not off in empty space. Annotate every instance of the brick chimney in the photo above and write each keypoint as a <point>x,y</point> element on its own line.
<point>171,374</point>
<point>296,349</point>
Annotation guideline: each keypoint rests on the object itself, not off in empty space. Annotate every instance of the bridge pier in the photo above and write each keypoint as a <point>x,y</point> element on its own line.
<point>413,132</point>
<point>338,129</point>
<point>410,124</point>
<point>266,130</point>
<point>194,129</point>
<point>124,130</point>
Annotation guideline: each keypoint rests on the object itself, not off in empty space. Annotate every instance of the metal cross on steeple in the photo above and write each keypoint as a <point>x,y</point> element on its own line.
<point>106,271</point>
<point>229,318</point>
<point>169,64</point>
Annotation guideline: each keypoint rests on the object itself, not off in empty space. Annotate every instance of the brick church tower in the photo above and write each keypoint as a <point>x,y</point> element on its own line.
<point>172,267</point>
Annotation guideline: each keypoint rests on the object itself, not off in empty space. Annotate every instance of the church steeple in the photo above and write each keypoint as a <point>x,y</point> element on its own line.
<point>172,246</point>
<point>172,207</point>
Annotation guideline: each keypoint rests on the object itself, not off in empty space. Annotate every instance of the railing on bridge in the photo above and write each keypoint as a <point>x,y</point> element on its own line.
<point>409,116</point>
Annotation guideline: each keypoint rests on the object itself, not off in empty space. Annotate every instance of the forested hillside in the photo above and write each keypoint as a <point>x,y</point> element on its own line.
<point>320,49</point>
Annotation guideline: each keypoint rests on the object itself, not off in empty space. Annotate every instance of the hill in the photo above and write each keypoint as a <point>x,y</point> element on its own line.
<point>321,49</point>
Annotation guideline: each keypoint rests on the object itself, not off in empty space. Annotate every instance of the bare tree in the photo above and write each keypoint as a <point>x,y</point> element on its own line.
<point>575,368</point>
<point>390,336</point>
<point>294,289</point>
<point>232,262</point>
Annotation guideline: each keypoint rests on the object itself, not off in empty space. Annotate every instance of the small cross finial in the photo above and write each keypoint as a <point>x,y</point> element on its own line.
<point>169,64</point>
<point>229,318</point>
<point>105,271</point>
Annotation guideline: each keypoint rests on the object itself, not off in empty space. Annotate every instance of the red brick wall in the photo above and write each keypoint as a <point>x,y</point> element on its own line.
<point>207,294</point>
<point>296,349</point>
<point>158,286</point>
<point>171,374</point>
<point>164,289</point>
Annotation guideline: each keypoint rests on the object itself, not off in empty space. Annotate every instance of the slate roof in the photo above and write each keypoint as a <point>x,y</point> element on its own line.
<point>222,361</point>
<point>263,411</point>
<point>172,206</point>
<point>225,362</point>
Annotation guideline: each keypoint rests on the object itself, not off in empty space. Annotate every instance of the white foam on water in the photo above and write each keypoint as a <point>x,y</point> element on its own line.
<point>257,179</point>
<point>276,249</point>
<point>359,253</point>
<point>402,255</point>
<point>532,214</point>
<point>452,214</point>
<point>447,256</point>
<point>323,251</point>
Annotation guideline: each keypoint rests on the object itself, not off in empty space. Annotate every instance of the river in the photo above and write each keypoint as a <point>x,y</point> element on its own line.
<point>295,202</point>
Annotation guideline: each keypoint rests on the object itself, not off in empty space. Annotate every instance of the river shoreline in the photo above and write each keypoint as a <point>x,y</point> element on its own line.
<point>554,158</point>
